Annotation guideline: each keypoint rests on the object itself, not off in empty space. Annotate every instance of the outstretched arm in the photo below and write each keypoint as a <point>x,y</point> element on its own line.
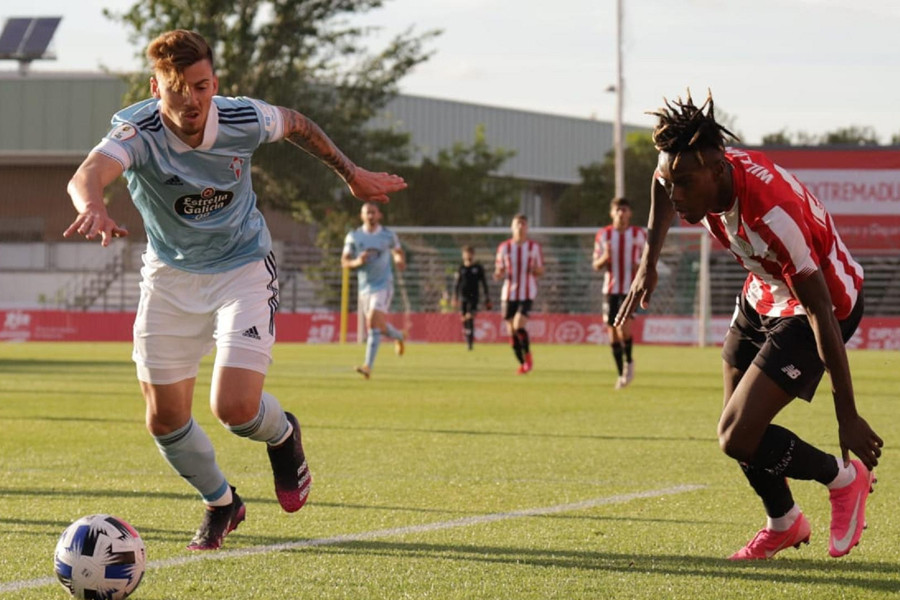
<point>86,190</point>
<point>853,431</point>
<point>644,283</point>
<point>365,185</point>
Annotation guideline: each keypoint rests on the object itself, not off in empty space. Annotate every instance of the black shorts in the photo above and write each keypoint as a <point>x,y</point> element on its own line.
<point>512,307</point>
<point>784,348</point>
<point>611,304</point>
<point>468,306</point>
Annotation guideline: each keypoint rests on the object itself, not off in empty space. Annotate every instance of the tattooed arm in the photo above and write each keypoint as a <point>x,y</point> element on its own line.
<point>364,184</point>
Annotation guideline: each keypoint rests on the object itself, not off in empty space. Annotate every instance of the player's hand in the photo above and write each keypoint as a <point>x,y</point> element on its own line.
<point>639,295</point>
<point>375,187</point>
<point>94,222</point>
<point>856,436</point>
<point>489,305</point>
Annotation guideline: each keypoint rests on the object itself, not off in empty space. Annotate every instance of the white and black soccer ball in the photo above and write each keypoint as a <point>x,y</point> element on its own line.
<point>100,557</point>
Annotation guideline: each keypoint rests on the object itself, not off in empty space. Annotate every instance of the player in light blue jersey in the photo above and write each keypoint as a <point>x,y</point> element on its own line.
<point>209,277</point>
<point>370,249</point>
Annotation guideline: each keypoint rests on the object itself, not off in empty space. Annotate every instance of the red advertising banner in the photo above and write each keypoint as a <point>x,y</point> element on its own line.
<point>859,187</point>
<point>874,333</point>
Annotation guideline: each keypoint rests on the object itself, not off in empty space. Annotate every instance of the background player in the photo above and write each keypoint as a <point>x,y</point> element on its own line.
<point>209,276</point>
<point>370,249</point>
<point>801,302</point>
<point>519,263</point>
<point>617,252</point>
<point>469,279</point>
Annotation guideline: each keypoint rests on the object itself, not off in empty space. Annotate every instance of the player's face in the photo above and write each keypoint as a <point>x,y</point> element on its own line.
<point>519,229</point>
<point>693,188</point>
<point>370,215</point>
<point>621,216</point>
<point>185,112</point>
<point>468,257</point>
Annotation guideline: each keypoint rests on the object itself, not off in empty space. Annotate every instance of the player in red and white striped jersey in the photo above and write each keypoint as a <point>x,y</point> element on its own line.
<point>519,263</point>
<point>800,304</point>
<point>617,252</point>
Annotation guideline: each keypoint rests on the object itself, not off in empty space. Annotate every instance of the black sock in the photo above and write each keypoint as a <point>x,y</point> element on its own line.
<point>617,354</point>
<point>628,344</point>
<point>523,340</point>
<point>517,348</point>
<point>469,329</point>
<point>782,454</point>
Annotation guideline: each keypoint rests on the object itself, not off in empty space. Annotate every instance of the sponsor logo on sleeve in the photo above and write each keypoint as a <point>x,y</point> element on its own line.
<point>123,132</point>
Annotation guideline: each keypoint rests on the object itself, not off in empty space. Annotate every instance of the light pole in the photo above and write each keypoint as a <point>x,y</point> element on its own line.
<point>619,88</point>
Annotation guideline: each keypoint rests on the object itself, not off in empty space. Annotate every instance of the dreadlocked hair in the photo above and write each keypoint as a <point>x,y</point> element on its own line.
<point>685,127</point>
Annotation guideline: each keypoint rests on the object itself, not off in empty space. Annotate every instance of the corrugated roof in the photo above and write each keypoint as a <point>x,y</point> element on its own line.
<point>66,113</point>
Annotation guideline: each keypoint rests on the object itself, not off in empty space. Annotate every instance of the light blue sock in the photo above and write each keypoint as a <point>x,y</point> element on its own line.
<point>372,347</point>
<point>269,425</point>
<point>191,454</point>
<point>393,332</point>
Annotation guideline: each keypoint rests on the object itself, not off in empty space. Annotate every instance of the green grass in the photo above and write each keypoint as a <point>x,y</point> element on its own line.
<point>436,437</point>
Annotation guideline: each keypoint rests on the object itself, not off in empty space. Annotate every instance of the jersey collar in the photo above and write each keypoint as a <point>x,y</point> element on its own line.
<point>209,132</point>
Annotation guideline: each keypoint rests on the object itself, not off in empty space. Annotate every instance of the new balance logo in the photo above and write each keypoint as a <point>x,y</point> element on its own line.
<point>174,180</point>
<point>251,333</point>
<point>791,371</point>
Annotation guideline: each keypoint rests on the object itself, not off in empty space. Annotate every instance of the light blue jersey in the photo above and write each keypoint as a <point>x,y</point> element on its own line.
<point>376,274</point>
<point>198,204</point>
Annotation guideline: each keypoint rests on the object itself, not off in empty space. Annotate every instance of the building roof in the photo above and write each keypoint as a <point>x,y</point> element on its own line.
<point>60,116</point>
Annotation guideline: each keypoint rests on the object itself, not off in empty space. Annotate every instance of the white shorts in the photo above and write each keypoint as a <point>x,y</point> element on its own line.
<point>379,300</point>
<point>182,315</point>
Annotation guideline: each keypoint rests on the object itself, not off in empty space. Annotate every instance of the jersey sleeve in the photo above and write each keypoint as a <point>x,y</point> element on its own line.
<point>538,255</point>
<point>123,143</point>
<point>271,120</point>
<point>395,242</point>
<point>349,246</point>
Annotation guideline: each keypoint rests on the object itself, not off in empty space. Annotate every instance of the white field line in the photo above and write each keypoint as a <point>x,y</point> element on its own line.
<point>15,586</point>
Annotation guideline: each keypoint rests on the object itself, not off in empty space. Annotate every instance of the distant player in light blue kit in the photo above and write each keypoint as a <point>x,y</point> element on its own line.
<point>209,276</point>
<point>370,249</point>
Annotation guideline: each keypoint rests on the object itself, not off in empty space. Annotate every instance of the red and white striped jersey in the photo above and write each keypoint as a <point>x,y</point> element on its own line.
<point>518,262</point>
<point>625,248</point>
<point>777,229</point>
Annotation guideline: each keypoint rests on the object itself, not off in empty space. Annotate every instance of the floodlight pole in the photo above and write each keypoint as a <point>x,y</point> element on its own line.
<point>618,137</point>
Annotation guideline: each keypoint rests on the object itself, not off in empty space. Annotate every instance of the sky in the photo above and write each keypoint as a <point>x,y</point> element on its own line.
<point>773,65</point>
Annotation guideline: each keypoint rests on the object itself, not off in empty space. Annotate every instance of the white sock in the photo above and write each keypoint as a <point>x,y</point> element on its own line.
<point>223,500</point>
<point>845,475</point>
<point>783,523</point>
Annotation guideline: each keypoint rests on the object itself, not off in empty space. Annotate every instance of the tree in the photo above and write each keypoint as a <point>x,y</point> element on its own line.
<point>587,204</point>
<point>462,186</point>
<point>853,135</point>
<point>300,54</point>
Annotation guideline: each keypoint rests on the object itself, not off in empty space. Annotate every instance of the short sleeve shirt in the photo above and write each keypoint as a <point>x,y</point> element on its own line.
<point>198,204</point>
<point>376,274</point>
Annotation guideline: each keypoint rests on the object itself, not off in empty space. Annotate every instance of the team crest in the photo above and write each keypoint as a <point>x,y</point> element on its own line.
<point>237,166</point>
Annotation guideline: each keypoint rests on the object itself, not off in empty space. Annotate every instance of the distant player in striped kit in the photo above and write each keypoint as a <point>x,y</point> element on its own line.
<point>617,252</point>
<point>209,278</point>
<point>519,263</point>
<point>802,301</point>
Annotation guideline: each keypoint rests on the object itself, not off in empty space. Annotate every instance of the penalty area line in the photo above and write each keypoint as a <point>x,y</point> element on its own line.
<point>15,586</point>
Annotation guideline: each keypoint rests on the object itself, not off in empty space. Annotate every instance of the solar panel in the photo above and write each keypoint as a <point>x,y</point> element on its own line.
<point>26,37</point>
<point>13,35</point>
<point>39,37</point>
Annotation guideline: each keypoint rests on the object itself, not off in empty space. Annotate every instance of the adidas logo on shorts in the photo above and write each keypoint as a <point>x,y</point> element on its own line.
<point>251,333</point>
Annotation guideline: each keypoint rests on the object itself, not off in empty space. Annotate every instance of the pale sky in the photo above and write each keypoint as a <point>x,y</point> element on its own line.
<point>800,65</point>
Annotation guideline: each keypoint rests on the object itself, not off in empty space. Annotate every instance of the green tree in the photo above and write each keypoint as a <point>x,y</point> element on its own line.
<point>462,186</point>
<point>779,138</point>
<point>587,204</point>
<point>302,54</point>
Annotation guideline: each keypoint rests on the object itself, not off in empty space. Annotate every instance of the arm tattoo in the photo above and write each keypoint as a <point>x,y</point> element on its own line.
<point>308,136</point>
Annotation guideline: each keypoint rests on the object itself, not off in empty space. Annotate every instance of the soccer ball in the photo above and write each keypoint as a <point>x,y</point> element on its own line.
<point>100,557</point>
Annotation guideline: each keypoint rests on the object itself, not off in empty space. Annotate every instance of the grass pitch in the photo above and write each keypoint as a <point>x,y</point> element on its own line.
<point>445,476</point>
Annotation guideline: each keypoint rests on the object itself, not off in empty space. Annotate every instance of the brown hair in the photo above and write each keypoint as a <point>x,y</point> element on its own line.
<point>622,201</point>
<point>468,249</point>
<point>173,51</point>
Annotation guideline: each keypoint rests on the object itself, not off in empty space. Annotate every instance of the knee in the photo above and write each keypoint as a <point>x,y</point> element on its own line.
<point>733,444</point>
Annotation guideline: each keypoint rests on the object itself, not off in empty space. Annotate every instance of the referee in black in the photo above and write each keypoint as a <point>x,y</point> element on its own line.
<point>466,288</point>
